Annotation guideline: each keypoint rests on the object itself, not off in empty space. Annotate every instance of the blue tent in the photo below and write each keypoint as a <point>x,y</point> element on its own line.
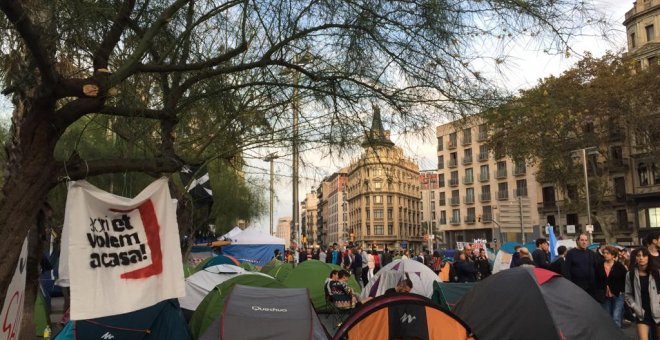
<point>160,321</point>
<point>253,246</point>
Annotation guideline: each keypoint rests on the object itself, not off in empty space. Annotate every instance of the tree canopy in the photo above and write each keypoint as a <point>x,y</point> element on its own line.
<point>602,104</point>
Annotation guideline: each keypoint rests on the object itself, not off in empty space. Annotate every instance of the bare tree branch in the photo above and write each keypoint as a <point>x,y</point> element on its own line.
<point>112,37</point>
<point>80,169</point>
<point>135,112</point>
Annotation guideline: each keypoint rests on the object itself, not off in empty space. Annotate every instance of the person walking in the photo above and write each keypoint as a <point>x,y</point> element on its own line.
<point>541,256</point>
<point>483,265</point>
<point>642,293</point>
<point>611,284</point>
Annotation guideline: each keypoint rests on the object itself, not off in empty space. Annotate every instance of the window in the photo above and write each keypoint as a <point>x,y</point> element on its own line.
<point>443,217</point>
<point>501,169</point>
<point>441,180</point>
<point>368,213</point>
<point>487,214</point>
<point>483,132</point>
<point>390,229</point>
<point>442,199</point>
<point>654,217</point>
<point>503,191</point>
<point>378,199</point>
<point>467,156</point>
<point>470,218</point>
<point>368,230</point>
<point>432,194</point>
<point>469,177</point>
<point>467,136</point>
<point>622,219</point>
<point>366,200</point>
<point>483,152</point>
<point>484,173</point>
<point>378,185</point>
<point>455,216</point>
<point>633,43</point>
<point>650,33</point>
<point>389,214</point>
<point>452,140</point>
<point>469,195</point>
<point>643,173</point>
<point>389,199</point>
<point>378,229</point>
<point>454,178</point>
<point>441,162</point>
<point>620,189</point>
<point>440,146</point>
<point>378,214</point>
<point>453,159</point>
<point>521,188</point>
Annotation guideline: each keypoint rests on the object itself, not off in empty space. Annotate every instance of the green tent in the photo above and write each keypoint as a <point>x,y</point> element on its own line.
<point>188,270</point>
<point>281,272</point>
<point>271,265</point>
<point>213,304</point>
<point>447,295</point>
<point>311,274</point>
<point>248,266</point>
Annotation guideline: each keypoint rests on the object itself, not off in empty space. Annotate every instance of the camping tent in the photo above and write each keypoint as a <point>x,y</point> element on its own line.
<point>534,303</point>
<point>281,272</point>
<point>387,277</point>
<point>402,316</point>
<point>216,260</point>
<point>229,235</point>
<point>213,304</point>
<point>266,313</point>
<point>274,263</point>
<point>201,283</point>
<point>311,274</point>
<point>253,246</point>
<point>447,295</point>
<point>160,321</point>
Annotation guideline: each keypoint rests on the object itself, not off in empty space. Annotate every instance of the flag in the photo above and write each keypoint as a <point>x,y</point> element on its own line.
<point>119,254</point>
<point>553,243</point>
<point>11,315</point>
<point>196,180</point>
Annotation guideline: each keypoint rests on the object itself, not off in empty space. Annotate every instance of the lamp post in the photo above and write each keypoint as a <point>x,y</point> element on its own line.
<point>270,158</point>
<point>586,188</point>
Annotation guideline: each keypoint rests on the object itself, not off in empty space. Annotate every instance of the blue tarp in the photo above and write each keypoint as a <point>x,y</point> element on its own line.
<point>257,254</point>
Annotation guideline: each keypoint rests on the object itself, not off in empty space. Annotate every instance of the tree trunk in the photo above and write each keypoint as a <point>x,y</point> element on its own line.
<point>35,251</point>
<point>29,178</point>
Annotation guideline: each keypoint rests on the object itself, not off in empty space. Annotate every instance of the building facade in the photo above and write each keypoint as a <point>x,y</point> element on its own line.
<point>643,31</point>
<point>308,219</point>
<point>333,209</point>
<point>481,195</point>
<point>283,230</point>
<point>429,193</point>
<point>383,194</point>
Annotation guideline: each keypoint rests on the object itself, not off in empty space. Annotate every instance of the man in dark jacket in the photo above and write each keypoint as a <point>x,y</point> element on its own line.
<point>541,255</point>
<point>581,265</point>
<point>515,257</point>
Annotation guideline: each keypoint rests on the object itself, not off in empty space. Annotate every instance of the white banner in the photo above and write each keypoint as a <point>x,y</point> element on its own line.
<point>119,254</point>
<point>12,311</point>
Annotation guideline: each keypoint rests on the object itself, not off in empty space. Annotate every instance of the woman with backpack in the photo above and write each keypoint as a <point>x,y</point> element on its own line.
<point>643,293</point>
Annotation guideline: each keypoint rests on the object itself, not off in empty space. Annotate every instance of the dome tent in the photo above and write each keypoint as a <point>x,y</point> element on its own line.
<point>387,277</point>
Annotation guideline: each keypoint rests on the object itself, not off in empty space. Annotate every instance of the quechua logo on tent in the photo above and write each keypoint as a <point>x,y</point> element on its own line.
<point>269,309</point>
<point>407,318</point>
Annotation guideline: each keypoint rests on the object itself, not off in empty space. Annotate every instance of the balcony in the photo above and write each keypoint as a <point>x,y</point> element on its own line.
<point>455,201</point>
<point>470,219</point>
<point>468,179</point>
<point>487,218</point>
<point>520,192</point>
<point>500,173</point>
<point>453,182</point>
<point>483,156</point>
<point>442,203</point>
<point>468,199</point>
<point>467,141</point>
<point>485,197</point>
<point>484,177</point>
<point>482,136</point>
<point>467,160</point>
<point>502,195</point>
<point>452,163</point>
<point>451,144</point>
<point>454,221</point>
<point>519,170</point>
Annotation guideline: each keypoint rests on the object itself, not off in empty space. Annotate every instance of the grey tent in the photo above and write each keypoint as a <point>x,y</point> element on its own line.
<point>267,313</point>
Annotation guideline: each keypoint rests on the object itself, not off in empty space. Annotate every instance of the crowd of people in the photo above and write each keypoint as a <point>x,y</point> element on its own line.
<point>624,282</point>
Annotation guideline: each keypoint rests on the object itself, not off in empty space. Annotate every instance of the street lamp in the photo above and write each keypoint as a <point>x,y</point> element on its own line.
<point>586,188</point>
<point>270,158</point>
<point>303,59</point>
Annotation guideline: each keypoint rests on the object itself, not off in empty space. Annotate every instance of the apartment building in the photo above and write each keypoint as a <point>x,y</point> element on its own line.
<point>481,195</point>
<point>283,230</point>
<point>308,219</point>
<point>430,209</point>
<point>332,209</point>
<point>383,194</point>
<point>643,30</point>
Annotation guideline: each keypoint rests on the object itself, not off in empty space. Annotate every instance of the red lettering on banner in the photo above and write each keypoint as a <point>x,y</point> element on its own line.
<point>13,325</point>
<point>152,230</point>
